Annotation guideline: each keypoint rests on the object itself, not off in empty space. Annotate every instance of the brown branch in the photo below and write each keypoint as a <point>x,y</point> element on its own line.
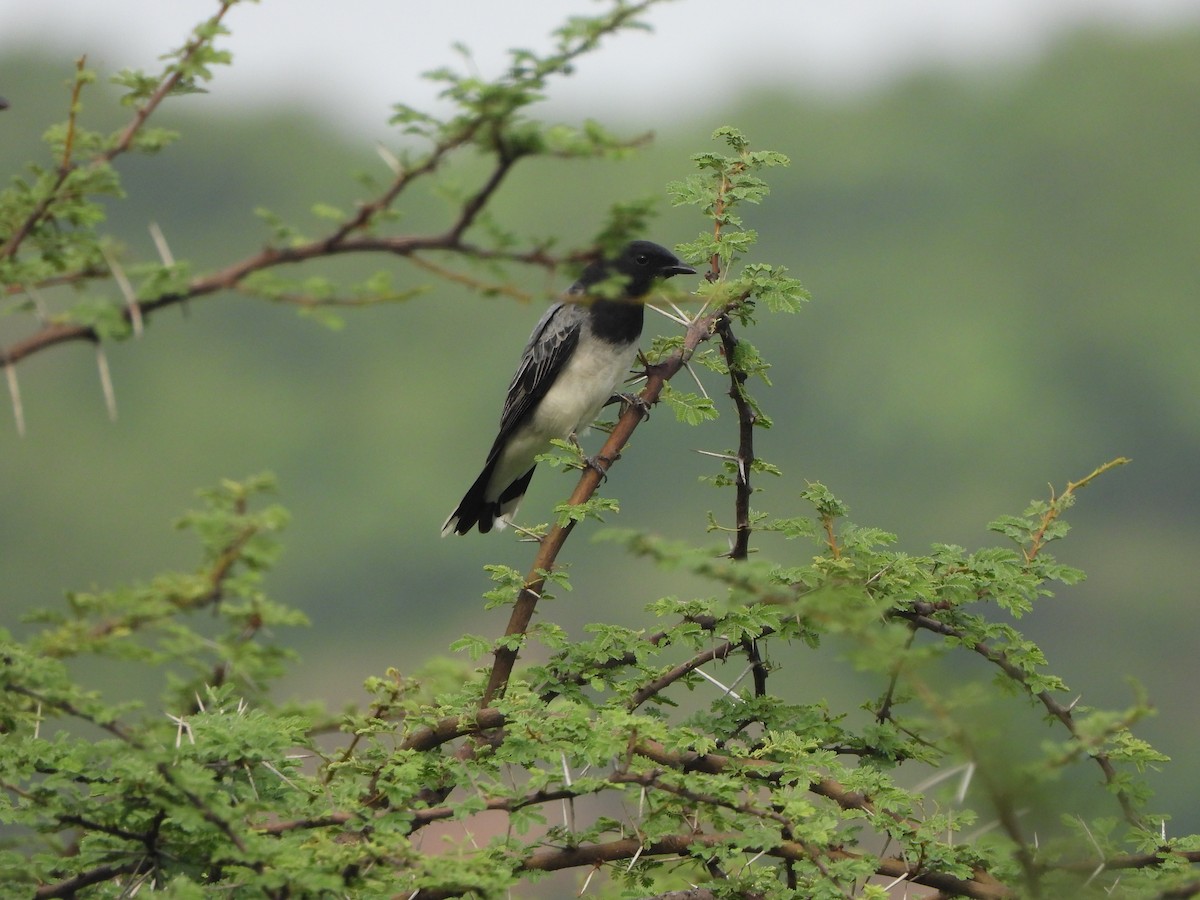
<point>1057,504</point>
<point>552,859</point>
<point>71,886</point>
<point>231,277</point>
<point>65,168</point>
<point>920,616</point>
<point>328,821</point>
<point>350,236</point>
<point>505,655</point>
<point>745,459</point>
<point>66,707</point>
<point>451,728</point>
<point>745,454</point>
<point>763,770</point>
<point>1182,892</point>
<point>169,83</point>
<point>655,686</point>
<point>121,145</point>
<point>627,658</point>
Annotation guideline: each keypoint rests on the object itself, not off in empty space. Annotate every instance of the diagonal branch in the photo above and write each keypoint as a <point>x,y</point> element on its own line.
<point>920,616</point>
<point>505,656</point>
<point>125,140</point>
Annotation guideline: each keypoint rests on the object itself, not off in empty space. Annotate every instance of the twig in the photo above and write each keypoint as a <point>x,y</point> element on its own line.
<point>1058,504</point>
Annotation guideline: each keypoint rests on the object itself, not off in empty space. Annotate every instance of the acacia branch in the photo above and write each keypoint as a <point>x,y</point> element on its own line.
<point>123,142</point>
<point>168,84</point>
<point>71,886</point>
<point>65,168</point>
<point>920,616</point>
<point>745,460</point>
<point>351,235</point>
<point>552,859</point>
<point>1057,504</point>
<point>505,655</point>
<point>745,453</point>
<point>657,685</point>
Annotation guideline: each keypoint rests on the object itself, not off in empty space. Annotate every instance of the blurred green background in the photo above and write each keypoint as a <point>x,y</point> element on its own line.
<point>1004,270</point>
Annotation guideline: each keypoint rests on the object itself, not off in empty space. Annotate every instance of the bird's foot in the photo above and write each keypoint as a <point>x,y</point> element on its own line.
<point>594,463</point>
<point>634,400</point>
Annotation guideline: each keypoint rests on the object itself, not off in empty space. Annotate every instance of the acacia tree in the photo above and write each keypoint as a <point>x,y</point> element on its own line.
<point>632,757</point>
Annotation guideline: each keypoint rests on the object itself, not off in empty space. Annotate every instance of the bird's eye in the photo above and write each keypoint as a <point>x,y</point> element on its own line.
<point>642,259</point>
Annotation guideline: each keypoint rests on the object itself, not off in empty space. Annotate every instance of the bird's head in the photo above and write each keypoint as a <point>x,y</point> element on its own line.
<point>642,262</point>
<point>630,273</point>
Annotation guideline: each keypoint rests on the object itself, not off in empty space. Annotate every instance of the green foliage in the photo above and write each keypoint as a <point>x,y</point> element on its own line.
<point>210,787</point>
<point>51,220</point>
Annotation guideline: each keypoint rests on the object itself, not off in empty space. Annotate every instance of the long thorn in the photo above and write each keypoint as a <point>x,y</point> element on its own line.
<point>106,385</point>
<point>14,392</point>
<point>696,378</point>
<point>160,244</point>
<point>131,301</point>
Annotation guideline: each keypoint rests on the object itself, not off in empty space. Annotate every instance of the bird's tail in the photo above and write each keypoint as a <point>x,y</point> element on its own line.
<point>476,509</point>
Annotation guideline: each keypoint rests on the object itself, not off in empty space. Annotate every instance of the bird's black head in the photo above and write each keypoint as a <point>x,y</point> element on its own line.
<point>639,263</point>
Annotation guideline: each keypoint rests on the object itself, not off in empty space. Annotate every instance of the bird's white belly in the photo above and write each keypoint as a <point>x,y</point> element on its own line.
<point>571,404</point>
<point>582,389</point>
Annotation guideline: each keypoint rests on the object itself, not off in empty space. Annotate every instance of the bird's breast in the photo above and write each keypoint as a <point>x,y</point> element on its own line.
<point>583,386</point>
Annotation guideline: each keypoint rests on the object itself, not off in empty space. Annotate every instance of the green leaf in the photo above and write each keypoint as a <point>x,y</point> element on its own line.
<point>689,408</point>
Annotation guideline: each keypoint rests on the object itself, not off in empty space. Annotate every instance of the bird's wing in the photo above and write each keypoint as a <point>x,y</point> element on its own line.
<point>550,346</point>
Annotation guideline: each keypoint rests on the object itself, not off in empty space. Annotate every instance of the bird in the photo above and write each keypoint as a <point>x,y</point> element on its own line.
<point>578,353</point>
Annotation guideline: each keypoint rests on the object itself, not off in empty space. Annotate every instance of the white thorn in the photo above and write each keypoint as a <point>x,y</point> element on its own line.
<point>182,727</point>
<point>1095,872</point>
<point>725,688</point>
<point>131,302</point>
<point>390,160</point>
<point>898,879</point>
<point>587,881</point>
<point>274,771</point>
<point>14,392</point>
<point>662,312</point>
<point>924,786</point>
<point>696,378</point>
<point>110,397</point>
<point>633,861</point>
<point>755,858</point>
<point>966,782</point>
<point>160,244</point>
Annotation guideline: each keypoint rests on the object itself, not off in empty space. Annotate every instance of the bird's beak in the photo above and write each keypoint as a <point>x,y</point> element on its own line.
<point>680,269</point>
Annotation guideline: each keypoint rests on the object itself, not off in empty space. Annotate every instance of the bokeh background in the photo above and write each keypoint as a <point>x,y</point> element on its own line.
<point>995,205</point>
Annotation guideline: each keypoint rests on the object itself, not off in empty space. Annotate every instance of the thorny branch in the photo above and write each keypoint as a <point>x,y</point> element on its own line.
<point>505,655</point>
<point>352,235</point>
<point>920,615</point>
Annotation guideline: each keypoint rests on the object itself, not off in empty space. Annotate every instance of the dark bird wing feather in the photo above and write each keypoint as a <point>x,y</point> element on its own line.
<point>550,346</point>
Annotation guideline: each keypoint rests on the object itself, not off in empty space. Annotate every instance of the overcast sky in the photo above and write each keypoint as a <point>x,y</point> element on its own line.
<point>353,58</point>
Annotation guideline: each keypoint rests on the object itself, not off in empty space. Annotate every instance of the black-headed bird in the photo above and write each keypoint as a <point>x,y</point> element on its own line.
<point>580,350</point>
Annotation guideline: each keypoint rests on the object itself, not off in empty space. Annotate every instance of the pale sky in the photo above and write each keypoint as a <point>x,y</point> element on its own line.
<point>354,58</point>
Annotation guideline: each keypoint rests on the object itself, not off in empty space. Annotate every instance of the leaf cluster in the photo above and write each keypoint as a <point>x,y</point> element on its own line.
<point>217,786</point>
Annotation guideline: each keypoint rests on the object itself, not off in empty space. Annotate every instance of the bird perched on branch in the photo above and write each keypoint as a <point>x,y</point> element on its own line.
<point>577,355</point>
